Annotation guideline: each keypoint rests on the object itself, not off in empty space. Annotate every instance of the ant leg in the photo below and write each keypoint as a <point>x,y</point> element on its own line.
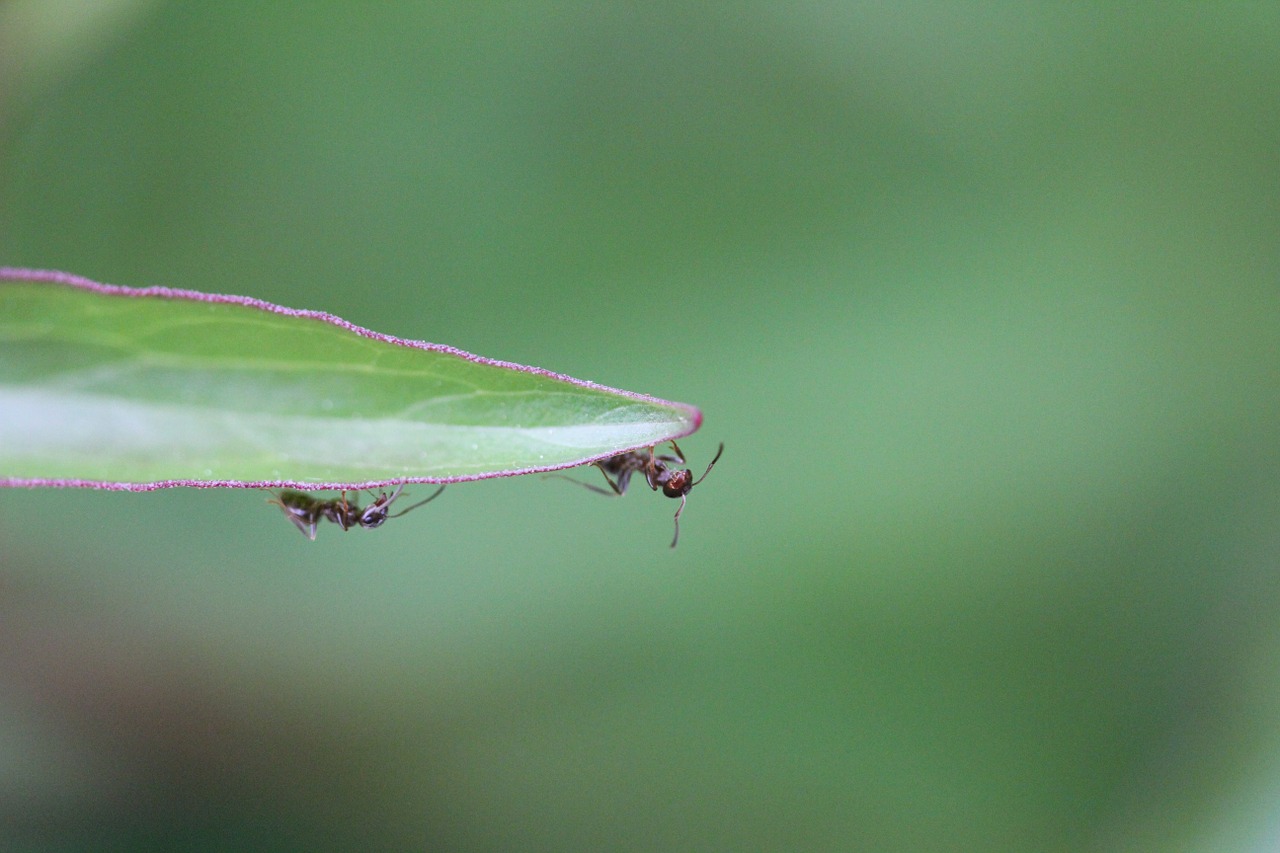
<point>341,518</point>
<point>652,470</point>
<point>306,524</point>
<point>599,491</point>
<point>678,458</point>
<point>303,520</point>
<point>618,490</point>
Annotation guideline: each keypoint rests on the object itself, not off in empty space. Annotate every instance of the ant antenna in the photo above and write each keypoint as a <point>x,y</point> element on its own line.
<point>684,497</point>
<point>435,495</point>
<point>710,465</point>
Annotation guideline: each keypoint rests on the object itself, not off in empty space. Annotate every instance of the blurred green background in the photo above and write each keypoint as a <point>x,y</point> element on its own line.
<point>983,299</point>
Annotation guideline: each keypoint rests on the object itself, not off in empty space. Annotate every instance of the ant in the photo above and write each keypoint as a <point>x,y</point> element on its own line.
<point>306,511</point>
<point>674,482</point>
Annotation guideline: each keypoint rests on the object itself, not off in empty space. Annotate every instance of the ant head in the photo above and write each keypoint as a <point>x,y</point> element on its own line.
<point>677,483</point>
<point>377,512</point>
<point>374,515</point>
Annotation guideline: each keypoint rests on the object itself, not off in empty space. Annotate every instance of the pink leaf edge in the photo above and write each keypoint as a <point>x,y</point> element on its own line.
<point>54,277</point>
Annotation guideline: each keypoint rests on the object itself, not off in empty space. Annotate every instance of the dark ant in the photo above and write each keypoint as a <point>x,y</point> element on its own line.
<point>674,482</point>
<point>306,511</point>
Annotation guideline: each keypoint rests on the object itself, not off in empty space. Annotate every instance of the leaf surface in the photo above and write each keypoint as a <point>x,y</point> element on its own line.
<point>123,388</point>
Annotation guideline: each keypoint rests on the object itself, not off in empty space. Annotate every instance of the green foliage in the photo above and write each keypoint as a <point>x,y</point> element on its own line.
<point>981,298</point>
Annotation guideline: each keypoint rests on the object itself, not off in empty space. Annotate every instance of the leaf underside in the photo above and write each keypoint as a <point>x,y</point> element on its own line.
<point>119,388</point>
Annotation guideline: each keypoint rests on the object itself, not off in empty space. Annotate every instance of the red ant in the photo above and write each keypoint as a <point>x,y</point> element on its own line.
<point>674,482</point>
<point>306,511</point>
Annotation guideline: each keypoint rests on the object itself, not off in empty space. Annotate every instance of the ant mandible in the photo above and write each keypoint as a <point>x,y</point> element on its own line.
<point>306,511</point>
<point>674,482</point>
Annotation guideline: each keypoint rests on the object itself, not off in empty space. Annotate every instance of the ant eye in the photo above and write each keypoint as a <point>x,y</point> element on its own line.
<point>373,518</point>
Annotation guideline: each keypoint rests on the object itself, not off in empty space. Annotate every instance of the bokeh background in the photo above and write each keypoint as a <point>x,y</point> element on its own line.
<point>983,299</point>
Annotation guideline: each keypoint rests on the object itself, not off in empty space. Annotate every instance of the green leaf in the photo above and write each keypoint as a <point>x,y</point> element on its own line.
<point>123,388</point>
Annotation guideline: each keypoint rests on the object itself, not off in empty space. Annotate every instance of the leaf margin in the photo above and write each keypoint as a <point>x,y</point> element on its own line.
<point>54,277</point>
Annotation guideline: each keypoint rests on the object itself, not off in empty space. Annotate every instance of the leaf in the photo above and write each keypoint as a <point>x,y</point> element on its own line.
<point>121,388</point>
